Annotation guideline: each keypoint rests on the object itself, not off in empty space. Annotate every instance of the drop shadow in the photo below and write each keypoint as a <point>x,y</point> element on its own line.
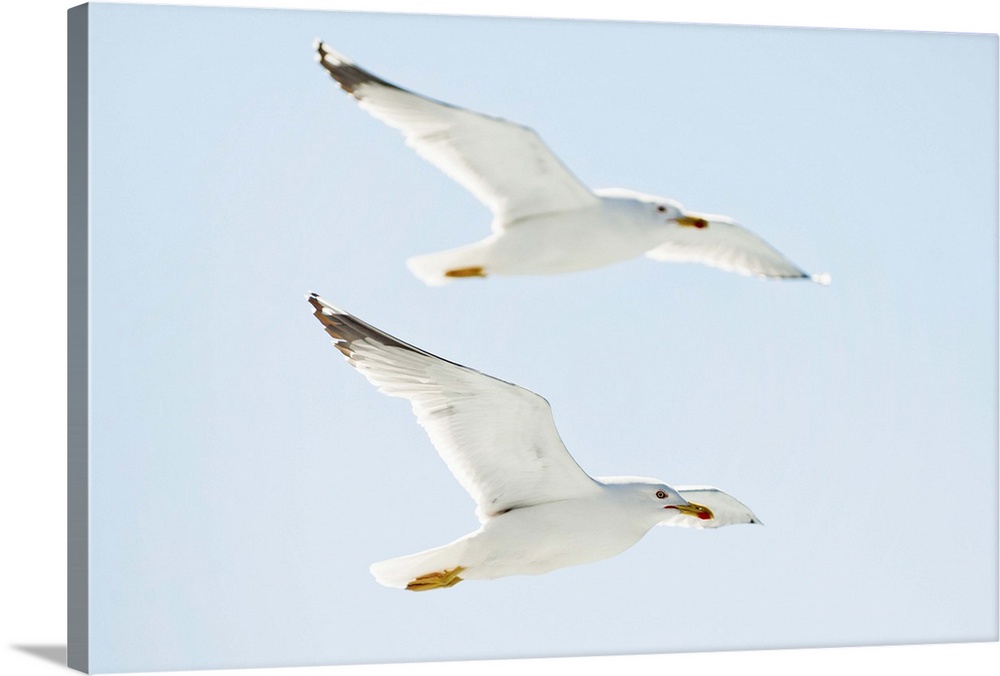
<point>50,653</point>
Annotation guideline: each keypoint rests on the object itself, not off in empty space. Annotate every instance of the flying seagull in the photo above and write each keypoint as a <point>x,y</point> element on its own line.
<point>545,221</point>
<point>537,509</point>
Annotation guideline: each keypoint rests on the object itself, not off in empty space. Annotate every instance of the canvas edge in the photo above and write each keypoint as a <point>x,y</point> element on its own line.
<point>77,408</point>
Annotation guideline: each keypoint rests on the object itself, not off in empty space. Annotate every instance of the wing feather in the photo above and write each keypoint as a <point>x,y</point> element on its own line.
<point>504,164</point>
<point>727,245</point>
<point>498,439</point>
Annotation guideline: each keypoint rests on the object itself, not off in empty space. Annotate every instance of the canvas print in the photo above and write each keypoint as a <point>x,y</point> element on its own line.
<point>381,326</point>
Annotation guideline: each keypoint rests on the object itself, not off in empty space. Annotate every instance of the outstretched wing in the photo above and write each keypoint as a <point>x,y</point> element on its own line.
<point>505,165</point>
<point>498,439</point>
<point>721,242</point>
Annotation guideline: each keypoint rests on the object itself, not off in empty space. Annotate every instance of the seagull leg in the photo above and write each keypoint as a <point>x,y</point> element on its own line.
<point>475,271</point>
<point>441,579</point>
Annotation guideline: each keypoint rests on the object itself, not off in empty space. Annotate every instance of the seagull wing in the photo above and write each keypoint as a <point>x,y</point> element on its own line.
<point>505,165</point>
<point>498,439</point>
<point>721,242</point>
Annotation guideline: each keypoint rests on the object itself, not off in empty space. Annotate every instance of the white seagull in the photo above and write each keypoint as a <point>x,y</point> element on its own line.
<point>545,221</point>
<point>537,508</point>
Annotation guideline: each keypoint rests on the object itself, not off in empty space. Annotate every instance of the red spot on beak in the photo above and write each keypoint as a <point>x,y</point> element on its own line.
<point>700,511</point>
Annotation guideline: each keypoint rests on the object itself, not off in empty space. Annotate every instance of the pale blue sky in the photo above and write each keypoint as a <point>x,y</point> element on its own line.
<point>244,478</point>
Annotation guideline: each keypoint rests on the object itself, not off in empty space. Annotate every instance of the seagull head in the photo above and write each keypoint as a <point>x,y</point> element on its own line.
<point>667,210</point>
<point>655,210</point>
<point>654,498</point>
<point>643,206</point>
<point>662,210</point>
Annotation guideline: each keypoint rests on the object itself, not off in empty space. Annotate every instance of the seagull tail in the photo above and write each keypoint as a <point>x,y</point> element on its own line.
<point>400,572</point>
<point>439,268</point>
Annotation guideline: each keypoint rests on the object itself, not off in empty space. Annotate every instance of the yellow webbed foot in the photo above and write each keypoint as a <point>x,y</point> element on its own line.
<point>476,271</point>
<point>441,579</point>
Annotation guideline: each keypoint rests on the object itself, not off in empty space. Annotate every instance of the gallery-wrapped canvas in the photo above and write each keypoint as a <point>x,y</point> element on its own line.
<point>434,190</point>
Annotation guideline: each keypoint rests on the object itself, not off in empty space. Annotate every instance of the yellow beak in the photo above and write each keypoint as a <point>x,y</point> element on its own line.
<point>692,222</point>
<point>700,511</point>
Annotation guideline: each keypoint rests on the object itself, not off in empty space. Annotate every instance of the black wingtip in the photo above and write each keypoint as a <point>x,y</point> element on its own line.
<point>348,75</point>
<point>317,303</point>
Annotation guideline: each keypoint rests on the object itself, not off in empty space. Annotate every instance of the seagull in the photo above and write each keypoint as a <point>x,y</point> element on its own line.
<point>537,509</point>
<point>545,221</point>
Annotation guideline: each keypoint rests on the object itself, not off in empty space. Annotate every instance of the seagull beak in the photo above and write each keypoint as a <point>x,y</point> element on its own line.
<point>692,222</point>
<point>693,509</point>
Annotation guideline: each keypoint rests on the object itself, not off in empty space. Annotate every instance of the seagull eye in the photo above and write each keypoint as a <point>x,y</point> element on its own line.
<point>661,208</point>
<point>661,494</point>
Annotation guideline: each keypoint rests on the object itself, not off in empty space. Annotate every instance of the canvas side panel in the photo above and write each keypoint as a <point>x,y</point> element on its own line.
<point>77,314</point>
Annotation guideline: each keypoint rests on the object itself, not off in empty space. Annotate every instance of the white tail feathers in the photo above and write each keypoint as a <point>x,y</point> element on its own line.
<point>442,267</point>
<point>429,269</point>
<point>391,574</point>
<point>399,572</point>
